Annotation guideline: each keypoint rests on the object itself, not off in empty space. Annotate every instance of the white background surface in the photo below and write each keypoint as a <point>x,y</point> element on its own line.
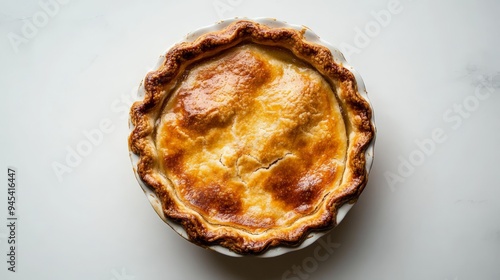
<point>439,220</point>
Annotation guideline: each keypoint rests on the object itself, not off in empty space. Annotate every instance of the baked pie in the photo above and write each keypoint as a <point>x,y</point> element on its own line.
<point>251,137</point>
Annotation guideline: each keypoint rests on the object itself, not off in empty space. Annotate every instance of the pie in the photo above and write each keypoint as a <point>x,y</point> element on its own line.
<point>252,137</point>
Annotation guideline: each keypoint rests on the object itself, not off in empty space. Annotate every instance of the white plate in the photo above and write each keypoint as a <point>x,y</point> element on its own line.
<point>310,36</point>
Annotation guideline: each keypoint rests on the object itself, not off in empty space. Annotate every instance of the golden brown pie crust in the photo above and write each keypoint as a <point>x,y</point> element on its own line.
<point>252,137</point>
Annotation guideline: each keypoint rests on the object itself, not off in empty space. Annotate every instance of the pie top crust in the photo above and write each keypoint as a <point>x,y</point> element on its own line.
<point>251,137</point>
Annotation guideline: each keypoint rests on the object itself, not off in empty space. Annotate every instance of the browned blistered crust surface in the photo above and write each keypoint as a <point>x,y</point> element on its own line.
<point>251,137</point>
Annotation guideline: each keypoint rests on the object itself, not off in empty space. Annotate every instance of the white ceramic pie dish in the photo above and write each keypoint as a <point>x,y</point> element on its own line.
<point>310,36</point>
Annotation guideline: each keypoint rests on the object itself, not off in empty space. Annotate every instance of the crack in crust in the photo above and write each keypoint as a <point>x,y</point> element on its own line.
<point>273,163</point>
<point>360,132</point>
